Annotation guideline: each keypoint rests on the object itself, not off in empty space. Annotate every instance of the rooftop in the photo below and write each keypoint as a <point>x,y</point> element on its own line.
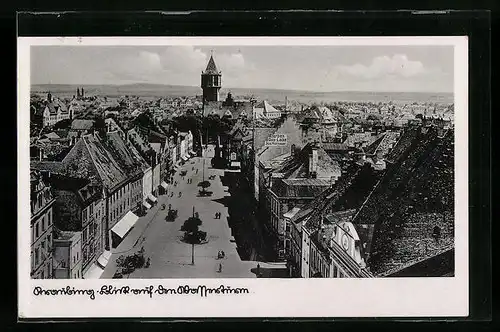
<point>414,196</point>
<point>81,124</point>
<point>211,67</point>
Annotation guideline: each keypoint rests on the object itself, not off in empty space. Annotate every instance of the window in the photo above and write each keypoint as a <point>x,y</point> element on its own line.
<point>42,275</point>
<point>77,255</point>
<point>43,245</point>
<point>63,264</point>
<point>37,232</point>
<point>91,208</point>
<point>74,260</point>
<point>43,224</point>
<point>50,218</point>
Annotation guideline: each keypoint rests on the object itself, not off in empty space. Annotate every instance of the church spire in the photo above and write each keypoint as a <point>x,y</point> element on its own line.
<point>211,67</point>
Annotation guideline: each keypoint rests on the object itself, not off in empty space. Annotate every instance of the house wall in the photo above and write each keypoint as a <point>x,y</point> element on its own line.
<point>156,178</point>
<point>147,183</point>
<point>41,234</point>
<point>296,247</point>
<point>118,205</point>
<point>306,249</point>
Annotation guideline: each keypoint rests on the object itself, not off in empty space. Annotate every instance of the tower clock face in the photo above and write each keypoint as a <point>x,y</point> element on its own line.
<point>345,242</point>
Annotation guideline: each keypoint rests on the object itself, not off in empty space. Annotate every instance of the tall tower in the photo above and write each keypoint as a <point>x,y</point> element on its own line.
<point>211,81</point>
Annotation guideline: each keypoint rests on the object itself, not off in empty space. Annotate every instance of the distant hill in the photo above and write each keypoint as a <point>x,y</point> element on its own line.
<point>272,95</point>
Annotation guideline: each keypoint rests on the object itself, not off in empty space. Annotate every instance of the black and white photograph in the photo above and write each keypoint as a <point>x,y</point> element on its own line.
<point>218,159</point>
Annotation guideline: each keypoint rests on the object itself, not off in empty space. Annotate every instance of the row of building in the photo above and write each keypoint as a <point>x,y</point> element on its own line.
<point>329,195</point>
<point>84,203</point>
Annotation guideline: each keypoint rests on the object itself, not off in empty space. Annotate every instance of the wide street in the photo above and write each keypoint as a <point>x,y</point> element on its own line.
<point>161,239</point>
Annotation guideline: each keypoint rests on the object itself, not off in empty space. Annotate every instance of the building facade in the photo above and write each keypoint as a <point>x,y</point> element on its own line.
<point>68,256</point>
<point>55,111</point>
<point>42,201</point>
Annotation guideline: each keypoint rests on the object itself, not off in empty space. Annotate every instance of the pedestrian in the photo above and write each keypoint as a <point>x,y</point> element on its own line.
<point>220,267</point>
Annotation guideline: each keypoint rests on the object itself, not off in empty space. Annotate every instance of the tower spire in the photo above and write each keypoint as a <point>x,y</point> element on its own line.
<point>211,81</point>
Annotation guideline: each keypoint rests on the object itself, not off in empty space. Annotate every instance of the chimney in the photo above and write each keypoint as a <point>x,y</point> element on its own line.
<point>49,97</point>
<point>313,160</point>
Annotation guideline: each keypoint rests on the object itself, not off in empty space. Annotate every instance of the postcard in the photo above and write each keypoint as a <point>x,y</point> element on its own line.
<point>242,177</point>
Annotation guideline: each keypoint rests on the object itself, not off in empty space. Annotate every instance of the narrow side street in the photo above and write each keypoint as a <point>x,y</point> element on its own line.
<point>161,239</point>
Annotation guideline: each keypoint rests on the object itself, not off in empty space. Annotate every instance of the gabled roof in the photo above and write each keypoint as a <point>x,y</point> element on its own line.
<point>89,159</point>
<point>265,108</point>
<point>56,105</point>
<point>52,135</point>
<point>211,67</point>
<point>325,202</point>
<point>309,188</point>
<point>297,166</point>
<point>328,146</point>
<point>122,153</point>
<point>81,124</point>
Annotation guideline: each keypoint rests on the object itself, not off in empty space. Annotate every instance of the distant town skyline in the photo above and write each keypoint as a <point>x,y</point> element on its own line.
<point>302,68</point>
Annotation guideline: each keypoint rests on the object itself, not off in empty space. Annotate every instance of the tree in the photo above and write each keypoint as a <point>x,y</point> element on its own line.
<point>192,233</point>
<point>63,124</point>
<point>204,185</point>
<point>191,225</point>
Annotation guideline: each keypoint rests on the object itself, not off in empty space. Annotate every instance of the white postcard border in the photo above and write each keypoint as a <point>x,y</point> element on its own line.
<point>379,297</point>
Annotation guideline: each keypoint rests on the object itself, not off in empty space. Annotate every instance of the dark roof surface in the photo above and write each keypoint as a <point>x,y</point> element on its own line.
<point>325,203</point>
<point>211,67</point>
<point>415,194</point>
<point>122,153</point>
<point>81,124</point>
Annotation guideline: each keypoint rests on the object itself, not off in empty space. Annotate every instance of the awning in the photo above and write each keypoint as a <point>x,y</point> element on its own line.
<point>125,224</point>
<point>152,198</point>
<point>164,185</point>
<point>235,164</point>
<point>146,205</point>
<point>102,261</point>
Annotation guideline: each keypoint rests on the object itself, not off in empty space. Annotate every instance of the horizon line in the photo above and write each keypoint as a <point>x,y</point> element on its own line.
<point>241,88</point>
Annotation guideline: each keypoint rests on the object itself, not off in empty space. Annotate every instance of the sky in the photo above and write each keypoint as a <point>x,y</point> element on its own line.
<point>308,68</point>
